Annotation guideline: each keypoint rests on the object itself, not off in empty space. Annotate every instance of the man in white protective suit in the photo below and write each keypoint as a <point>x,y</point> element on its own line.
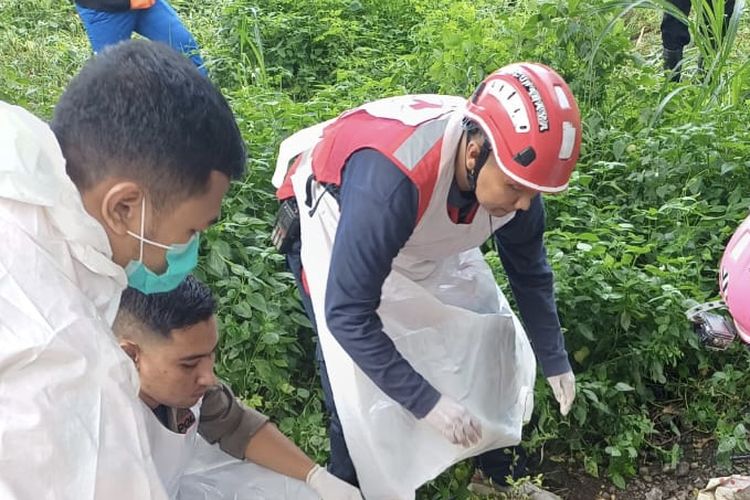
<point>172,337</point>
<point>384,208</point>
<point>115,191</point>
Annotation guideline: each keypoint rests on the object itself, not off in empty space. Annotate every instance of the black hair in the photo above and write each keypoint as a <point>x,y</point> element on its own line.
<point>142,111</point>
<point>160,313</point>
<point>472,130</point>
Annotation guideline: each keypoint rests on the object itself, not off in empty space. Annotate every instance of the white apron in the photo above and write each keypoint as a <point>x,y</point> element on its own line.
<point>172,451</point>
<point>192,469</point>
<point>443,310</point>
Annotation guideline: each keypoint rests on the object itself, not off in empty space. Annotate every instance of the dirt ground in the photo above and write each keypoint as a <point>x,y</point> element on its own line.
<point>653,481</point>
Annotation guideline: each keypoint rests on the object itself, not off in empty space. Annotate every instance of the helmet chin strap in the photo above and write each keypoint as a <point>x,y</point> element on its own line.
<point>473,174</point>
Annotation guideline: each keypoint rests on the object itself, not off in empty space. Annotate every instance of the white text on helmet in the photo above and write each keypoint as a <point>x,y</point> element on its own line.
<point>536,99</point>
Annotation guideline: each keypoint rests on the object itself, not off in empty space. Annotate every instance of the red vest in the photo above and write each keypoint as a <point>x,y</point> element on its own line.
<point>414,149</point>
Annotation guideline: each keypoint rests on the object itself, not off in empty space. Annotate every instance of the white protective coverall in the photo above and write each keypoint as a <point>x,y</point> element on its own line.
<point>192,469</point>
<point>70,422</point>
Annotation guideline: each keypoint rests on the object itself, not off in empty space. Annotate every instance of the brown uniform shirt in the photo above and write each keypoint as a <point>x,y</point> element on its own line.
<point>223,419</point>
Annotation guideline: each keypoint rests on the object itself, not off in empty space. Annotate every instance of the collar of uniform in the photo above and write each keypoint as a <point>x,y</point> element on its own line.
<point>178,420</point>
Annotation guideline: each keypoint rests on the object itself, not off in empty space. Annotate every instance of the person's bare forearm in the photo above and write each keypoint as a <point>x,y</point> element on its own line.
<point>273,450</point>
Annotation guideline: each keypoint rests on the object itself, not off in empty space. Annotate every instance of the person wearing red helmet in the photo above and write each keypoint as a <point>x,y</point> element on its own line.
<point>734,279</point>
<point>713,329</point>
<point>422,361</point>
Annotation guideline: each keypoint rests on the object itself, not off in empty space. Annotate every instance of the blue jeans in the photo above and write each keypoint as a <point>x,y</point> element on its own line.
<point>496,464</point>
<point>159,23</point>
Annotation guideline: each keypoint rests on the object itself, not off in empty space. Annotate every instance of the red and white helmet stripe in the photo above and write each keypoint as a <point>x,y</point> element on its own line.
<point>531,119</point>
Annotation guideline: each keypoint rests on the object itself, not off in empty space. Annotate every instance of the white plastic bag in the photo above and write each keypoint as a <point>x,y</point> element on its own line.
<point>214,475</point>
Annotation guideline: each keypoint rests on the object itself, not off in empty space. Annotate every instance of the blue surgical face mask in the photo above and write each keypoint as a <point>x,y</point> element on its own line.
<point>181,260</point>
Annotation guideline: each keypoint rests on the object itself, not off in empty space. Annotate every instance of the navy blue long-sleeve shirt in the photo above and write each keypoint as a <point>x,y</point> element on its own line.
<point>378,215</point>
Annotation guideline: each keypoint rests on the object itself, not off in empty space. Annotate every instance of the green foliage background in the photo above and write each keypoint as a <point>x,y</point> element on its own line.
<point>662,183</point>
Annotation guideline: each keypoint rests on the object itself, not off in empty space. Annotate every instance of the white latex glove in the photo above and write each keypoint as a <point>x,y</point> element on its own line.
<point>564,388</point>
<point>329,487</point>
<point>454,422</point>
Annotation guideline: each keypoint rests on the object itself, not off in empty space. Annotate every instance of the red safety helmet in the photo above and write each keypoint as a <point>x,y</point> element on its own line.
<point>531,119</point>
<point>734,279</point>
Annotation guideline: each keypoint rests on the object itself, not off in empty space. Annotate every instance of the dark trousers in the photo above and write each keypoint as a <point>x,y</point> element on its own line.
<point>496,464</point>
<point>675,34</point>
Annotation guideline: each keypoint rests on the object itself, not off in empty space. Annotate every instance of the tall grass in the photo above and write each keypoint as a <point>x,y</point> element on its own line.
<point>712,78</point>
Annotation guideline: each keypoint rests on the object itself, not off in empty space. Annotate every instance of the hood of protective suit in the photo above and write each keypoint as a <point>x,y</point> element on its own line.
<point>32,173</point>
<point>70,422</point>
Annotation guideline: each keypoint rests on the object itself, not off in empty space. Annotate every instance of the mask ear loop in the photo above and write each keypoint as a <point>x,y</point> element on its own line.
<point>142,238</point>
<point>143,227</point>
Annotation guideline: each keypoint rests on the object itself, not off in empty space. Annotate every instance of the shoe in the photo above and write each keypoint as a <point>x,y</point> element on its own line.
<point>525,490</point>
<point>673,63</point>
